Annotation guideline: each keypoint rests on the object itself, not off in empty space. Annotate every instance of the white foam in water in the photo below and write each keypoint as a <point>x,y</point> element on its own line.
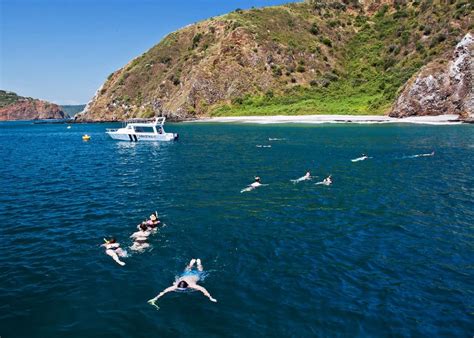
<point>276,139</point>
<point>263,146</point>
<point>420,155</point>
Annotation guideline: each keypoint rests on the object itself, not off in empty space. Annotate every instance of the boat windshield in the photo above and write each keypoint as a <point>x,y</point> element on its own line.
<point>144,130</point>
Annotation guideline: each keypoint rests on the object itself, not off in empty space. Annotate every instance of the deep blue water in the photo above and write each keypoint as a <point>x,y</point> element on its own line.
<point>387,250</point>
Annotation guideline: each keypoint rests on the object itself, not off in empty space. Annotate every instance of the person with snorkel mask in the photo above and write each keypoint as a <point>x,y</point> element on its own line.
<point>113,249</point>
<point>187,281</point>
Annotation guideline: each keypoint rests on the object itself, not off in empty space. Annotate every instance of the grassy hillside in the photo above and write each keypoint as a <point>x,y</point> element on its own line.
<point>388,48</point>
<point>319,57</point>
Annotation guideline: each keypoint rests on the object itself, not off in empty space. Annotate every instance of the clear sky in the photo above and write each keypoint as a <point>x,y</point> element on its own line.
<point>63,50</point>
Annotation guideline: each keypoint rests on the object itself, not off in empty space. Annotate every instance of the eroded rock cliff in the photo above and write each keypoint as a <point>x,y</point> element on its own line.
<point>444,86</point>
<point>14,107</point>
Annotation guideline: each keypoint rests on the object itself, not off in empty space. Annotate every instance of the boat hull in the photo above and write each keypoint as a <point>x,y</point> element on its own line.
<point>135,137</point>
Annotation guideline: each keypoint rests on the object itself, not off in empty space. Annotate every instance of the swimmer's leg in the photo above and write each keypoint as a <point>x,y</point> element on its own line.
<point>199,265</point>
<point>114,256</point>
<point>121,253</point>
<point>190,265</point>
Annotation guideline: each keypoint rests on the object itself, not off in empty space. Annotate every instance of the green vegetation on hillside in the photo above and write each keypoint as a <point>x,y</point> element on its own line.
<point>388,48</point>
<point>8,98</point>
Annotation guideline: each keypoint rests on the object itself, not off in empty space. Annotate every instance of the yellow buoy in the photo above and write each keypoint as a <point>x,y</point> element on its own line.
<point>86,137</point>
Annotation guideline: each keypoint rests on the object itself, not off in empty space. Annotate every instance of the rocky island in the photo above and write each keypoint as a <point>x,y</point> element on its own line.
<point>355,57</point>
<point>14,107</point>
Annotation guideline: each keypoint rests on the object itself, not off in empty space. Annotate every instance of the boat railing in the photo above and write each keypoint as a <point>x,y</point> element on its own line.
<point>154,120</point>
<point>111,130</point>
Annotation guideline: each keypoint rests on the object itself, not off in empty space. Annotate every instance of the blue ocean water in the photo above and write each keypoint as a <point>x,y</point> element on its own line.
<point>387,250</point>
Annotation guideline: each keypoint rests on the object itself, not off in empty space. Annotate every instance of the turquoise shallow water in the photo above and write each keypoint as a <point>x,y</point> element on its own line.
<point>387,250</point>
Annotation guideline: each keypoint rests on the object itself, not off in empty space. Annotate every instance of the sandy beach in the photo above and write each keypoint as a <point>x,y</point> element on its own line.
<point>318,119</point>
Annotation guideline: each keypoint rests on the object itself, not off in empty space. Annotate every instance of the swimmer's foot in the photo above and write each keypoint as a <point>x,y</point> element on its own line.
<point>152,303</point>
<point>191,263</point>
<point>121,263</point>
<point>198,261</point>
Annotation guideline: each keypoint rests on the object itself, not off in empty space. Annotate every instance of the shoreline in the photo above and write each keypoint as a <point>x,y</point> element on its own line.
<point>447,119</point>
<point>320,119</point>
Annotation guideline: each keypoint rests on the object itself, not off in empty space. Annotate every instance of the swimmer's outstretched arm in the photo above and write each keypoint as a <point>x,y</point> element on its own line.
<point>162,293</point>
<point>204,291</point>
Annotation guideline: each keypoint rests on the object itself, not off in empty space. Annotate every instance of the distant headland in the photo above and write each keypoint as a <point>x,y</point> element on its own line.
<point>15,107</point>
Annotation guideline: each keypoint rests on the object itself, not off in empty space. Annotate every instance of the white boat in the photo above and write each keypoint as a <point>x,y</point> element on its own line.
<point>142,130</point>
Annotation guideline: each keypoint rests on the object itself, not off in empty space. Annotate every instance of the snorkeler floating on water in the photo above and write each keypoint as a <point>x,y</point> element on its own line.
<point>187,281</point>
<point>326,181</point>
<point>306,177</point>
<point>153,222</point>
<point>140,238</point>
<point>253,186</point>
<point>362,158</point>
<point>113,249</point>
<point>145,229</point>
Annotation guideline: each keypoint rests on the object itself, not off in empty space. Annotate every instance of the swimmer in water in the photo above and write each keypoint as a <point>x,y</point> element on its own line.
<point>140,238</point>
<point>327,180</point>
<point>362,158</point>
<point>306,177</point>
<point>142,232</point>
<point>253,186</point>
<point>257,183</point>
<point>153,222</point>
<point>187,281</point>
<point>113,249</point>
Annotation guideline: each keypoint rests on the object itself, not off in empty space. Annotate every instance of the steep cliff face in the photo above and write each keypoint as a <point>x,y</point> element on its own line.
<point>14,107</point>
<point>347,57</point>
<point>444,86</point>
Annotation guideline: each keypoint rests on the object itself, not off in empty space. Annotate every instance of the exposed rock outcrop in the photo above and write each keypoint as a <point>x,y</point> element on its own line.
<point>441,87</point>
<point>13,107</point>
